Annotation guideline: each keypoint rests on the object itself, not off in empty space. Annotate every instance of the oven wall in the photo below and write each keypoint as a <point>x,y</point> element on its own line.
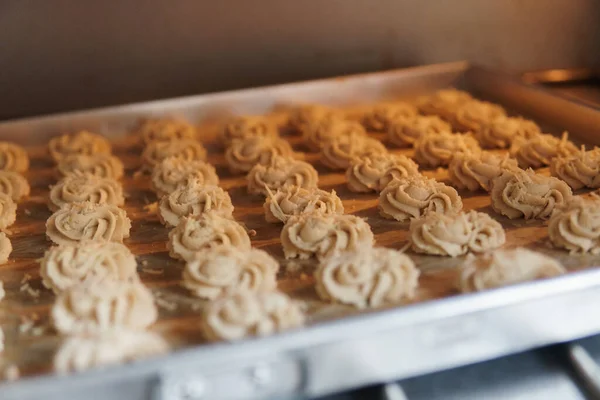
<point>59,55</point>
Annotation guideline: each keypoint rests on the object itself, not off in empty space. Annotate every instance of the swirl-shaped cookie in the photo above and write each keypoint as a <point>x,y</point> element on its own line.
<point>94,306</point>
<point>8,211</point>
<point>369,277</point>
<point>281,172</point>
<point>381,116</point>
<point>247,313</point>
<point>294,200</point>
<point>500,132</point>
<point>14,185</point>
<point>525,194</point>
<point>193,199</point>
<point>243,154</point>
<point>539,150</point>
<point>187,149</point>
<point>247,126</point>
<point>81,352</point>
<point>302,116</point>
<point>404,131</point>
<point>75,222</point>
<point>206,231</point>
<point>474,171</point>
<point>443,103</point>
<point>224,269</point>
<point>5,250</point>
<point>82,142</point>
<point>100,165</point>
<point>436,149</point>
<point>506,267</point>
<point>324,235</point>
<point>373,172</point>
<point>582,169</point>
<point>337,153</point>
<point>472,115</point>
<point>77,188</point>
<point>13,157</point>
<point>317,133</point>
<point>164,129</point>
<point>67,265</point>
<point>173,172</point>
<point>456,234</point>
<point>415,196</point>
<point>576,226</point>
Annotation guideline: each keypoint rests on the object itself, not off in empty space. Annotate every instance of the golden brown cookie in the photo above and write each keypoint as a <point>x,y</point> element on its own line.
<point>436,149</point>
<point>316,134</point>
<point>502,131</point>
<point>83,142</point>
<point>473,115</point>
<point>243,154</point>
<point>375,171</point>
<point>405,131</point>
<point>338,153</point>
<point>443,103</point>
<point>302,116</point>
<point>13,157</point>
<point>293,200</point>
<point>381,116</point>
<point>100,165</point>
<point>187,149</point>
<point>281,172</point>
<point>247,126</point>
<point>14,185</point>
<point>164,129</point>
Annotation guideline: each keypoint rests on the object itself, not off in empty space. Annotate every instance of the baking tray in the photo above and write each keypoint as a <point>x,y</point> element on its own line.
<point>441,330</point>
<point>577,84</point>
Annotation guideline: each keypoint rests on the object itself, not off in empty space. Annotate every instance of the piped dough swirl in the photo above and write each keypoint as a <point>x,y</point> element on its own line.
<point>165,129</point>
<point>302,116</point>
<point>243,154</point>
<point>576,226</point>
<point>173,172</point>
<point>14,185</point>
<point>443,103</point>
<point>294,200</point>
<point>475,171</point>
<point>502,131</point>
<point>338,153</point>
<point>381,116</point>
<point>281,172</point>
<point>247,126</point>
<point>13,158</point>
<point>8,211</point>
<point>473,115</point>
<point>318,133</point>
<point>77,188</point>
<point>405,131</point>
<point>187,149</point>
<point>83,142</point>
<point>100,165</point>
<point>579,170</point>
<point>5,250</point>
<point>373,172</point>
<point>539,150</point>
<point>436,149</point>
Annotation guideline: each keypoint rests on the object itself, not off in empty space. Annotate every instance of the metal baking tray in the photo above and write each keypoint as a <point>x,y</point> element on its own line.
<point>365,348</point>
<point>577,84</point>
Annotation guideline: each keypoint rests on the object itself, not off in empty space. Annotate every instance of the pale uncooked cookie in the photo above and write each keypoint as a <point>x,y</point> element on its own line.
<point>503,130</point>
<point>317,133</point>
<point>81,352</point>
<point>203,232</point>
<point>367,278</point>
<point>337,153</point>
<point>472,115</point>
<point>75,222</point>
<point>280,172</point>
<point>8,211</point>
<point>77,188</point>
<point>525,194</point>
<point>83,142</point>
<point>456,234</point>
<point>100,165</point>
<point>582,169</point>
<point>294,200</point>
<point>415,196</point>
<point>95,306</point>
<point>2,292</point>
<point>436,149</point>
<point>443,103</point>
<point>539,150</point>
<point>173,172</point>
<point>247,313</point>
<point>13,157</point>
<point>14,184</point>
<point>5,250</point>
<point>475,171</point>
<point>324,235</point>
<point>506,267</point>
<point>187,149</point>
<point>164,129</point>
<point>373,172</point>
<point>243,154</point>
<point>67,265</point>
<point>404,131</point>
<point>380,117</point>
<point>247,126</point>
<point>576,226</point>
<point>215,272</point>
<point>302,116</point>
<point>193,199</point>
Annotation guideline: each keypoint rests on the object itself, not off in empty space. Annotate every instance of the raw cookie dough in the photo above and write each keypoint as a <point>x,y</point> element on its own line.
<point>100,165</point>
<point>471,116</point>
<point>579,170</point>
<point>539,150</point>
<point>302,116</point>
<point>187,149</point>
<point>13,157</point>
<point>317,133</point>
<point>246,313</point>
<point>476,170</point>
<point>525,194</point>
<point>203,232</point>
<point>500,132</point>
<point>247,126</point>
<point>173,172</point>
<point>380,117</point>
<point>324,235</point>
<point>14,185</point>
<point>223,269</point>
<point>337,153</point>
<point>373,172</point>
<point>506,267</point>
<point>294,200</point>
<point>164,129</point>
<point>75,222</point>
<point>82,142</point>
<point>415,196</point>
<point>456,234</point>
<point>8,211</point>
<point>243,154</point>
<point>404,131</point>
<point>77,188</point>
<point>436,149</point>
<point>443,103</point>
<point>367,278</point>
<point>576,226</point>
<point>68,265</point>
<point>281,172</point>
<point>5,250</point>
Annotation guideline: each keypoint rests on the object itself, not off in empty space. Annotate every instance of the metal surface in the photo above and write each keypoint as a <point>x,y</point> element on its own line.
<point>360,350</point>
